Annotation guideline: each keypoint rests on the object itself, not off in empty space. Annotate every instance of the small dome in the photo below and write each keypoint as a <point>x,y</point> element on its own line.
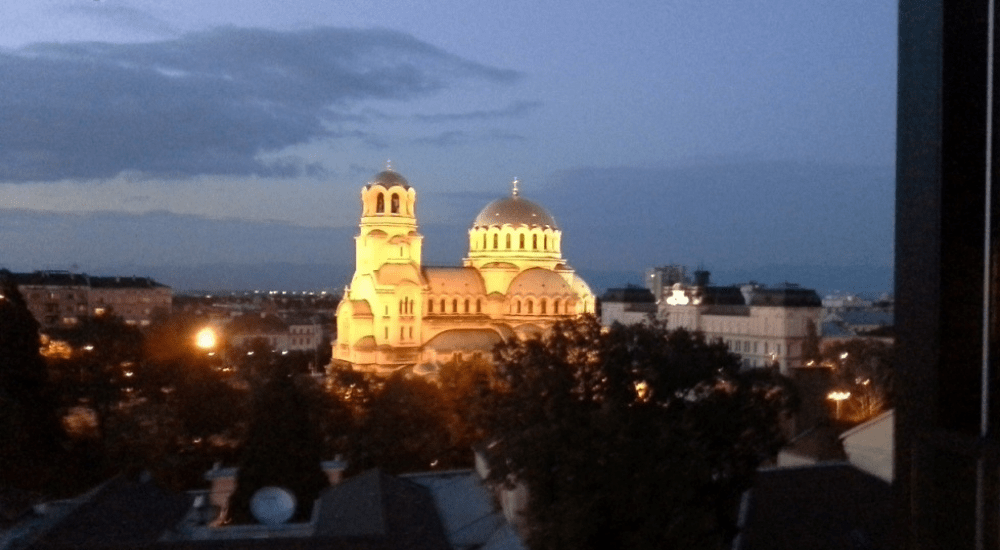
<point>388,178</point>
<point>515,211</point>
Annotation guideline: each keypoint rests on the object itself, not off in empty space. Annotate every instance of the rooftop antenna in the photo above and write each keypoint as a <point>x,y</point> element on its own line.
<point>513,188</point>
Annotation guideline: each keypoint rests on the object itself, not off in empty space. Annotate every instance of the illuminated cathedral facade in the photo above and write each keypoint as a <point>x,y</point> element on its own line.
<point>398,313</point>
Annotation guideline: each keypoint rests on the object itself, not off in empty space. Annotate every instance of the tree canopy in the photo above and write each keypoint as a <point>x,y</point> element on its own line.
<point>629,437</point>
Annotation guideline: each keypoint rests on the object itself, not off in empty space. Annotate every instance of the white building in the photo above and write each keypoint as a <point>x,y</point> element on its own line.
<point>763,325</point>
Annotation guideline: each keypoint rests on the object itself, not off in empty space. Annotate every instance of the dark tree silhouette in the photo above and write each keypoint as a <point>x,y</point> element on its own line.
<point>282,449</point>
<point>633,437</point>
<point>30,431</point>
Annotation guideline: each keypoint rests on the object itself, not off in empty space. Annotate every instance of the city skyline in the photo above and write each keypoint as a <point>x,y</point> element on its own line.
<point>742,137</point>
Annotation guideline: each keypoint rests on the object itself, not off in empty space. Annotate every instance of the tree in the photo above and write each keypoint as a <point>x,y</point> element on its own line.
<point>282,449</point>
<point>404,429</point>
<point>863,367</point>
<point>633,437</point>
<point>30,433</point>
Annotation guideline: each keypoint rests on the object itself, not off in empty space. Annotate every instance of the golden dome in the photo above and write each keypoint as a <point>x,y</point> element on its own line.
<point>515,211</point>
<point>388,178</point>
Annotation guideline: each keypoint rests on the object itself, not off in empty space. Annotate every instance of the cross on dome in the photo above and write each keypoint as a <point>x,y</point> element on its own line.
<point>513,188</point>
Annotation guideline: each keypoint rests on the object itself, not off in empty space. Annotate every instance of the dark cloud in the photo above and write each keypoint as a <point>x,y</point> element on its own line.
<point>516,109</point>
<point>205,103</point>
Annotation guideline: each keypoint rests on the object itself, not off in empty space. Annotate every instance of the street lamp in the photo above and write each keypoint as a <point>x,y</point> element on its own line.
<point>205,339</point>
<point>838,397</point>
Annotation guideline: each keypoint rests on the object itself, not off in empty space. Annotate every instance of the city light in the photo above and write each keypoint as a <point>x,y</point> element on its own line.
<point>838,397</point>
<point>205,338</point>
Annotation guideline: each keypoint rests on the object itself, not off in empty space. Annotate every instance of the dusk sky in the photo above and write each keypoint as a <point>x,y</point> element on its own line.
<point>736,135</point>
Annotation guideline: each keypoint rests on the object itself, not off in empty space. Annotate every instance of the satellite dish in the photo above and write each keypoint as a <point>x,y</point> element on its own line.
<point>272,505</point>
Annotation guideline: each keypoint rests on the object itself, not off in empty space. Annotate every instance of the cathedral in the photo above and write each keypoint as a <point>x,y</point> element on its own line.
<point>398,313</point>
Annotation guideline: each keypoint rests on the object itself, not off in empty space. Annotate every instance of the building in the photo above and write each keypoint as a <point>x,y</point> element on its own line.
<point>627,306</point>
<point>294,333</point>
<point>663,277</point>
<point>397,313</point>
<point>60,298</point>
<point>763,325</point>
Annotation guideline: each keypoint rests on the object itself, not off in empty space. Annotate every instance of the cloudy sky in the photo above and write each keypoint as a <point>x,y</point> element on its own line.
<point>737,134</point>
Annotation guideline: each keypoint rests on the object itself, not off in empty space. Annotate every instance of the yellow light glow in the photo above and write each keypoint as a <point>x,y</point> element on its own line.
<point>205,338</point>
<point>838,395</point>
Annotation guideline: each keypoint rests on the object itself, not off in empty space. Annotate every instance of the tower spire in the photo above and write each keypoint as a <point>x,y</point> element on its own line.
<point>513,188</point>
<point>388,165</point>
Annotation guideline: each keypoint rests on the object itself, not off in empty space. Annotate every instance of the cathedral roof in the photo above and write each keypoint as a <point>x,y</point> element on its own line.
<point>516,211</point>
<point>538,281</point>
<point>388,178</point>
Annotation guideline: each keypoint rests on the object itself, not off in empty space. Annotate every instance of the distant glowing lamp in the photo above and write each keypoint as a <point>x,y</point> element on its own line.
<point>205,339</point>
<point>838,397</point>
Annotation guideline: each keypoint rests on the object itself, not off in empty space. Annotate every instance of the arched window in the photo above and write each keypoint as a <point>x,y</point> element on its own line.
<point>508,242</point>
<point>496,241</point>
<point>430,305</point>
<point>534,242</point>
<point>555,307</point>
<point>395,203</point>
<point>531,307</point>
<point>379,204</point>
<point>484,241</point>
<point>467,306</point>
<point>401,332</point>
<point>522,242</point>
<point>442,306</point>
<point>517,306</point>
<point>545,242</point>
<point>454,306</point>
<point>541,307</point>
<point>479,306</point>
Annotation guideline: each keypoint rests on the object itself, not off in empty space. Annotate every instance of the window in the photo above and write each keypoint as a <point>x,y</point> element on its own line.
<point>541,307</point>
<point>517,305</point>
<point>442,305</point>
<point>508,242</point>
<point>411,333</point>
<point>454,305</point>
<point>386,333</point>
<point>401,332</point>
<point>466,306</point>
<point>496,241</point>
<point>555,307</point>
<point>545,242</point>
<point>484,241</point>
<point>479,306</point>
<point>530,307</point>
<point>379,204</point>
<point>430,305</point>
<point>395,203</point>
<point>522,242</point>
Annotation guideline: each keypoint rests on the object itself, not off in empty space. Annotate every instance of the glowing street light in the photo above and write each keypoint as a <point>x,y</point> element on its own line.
<point>838,397</point>
<point>205,339</point>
